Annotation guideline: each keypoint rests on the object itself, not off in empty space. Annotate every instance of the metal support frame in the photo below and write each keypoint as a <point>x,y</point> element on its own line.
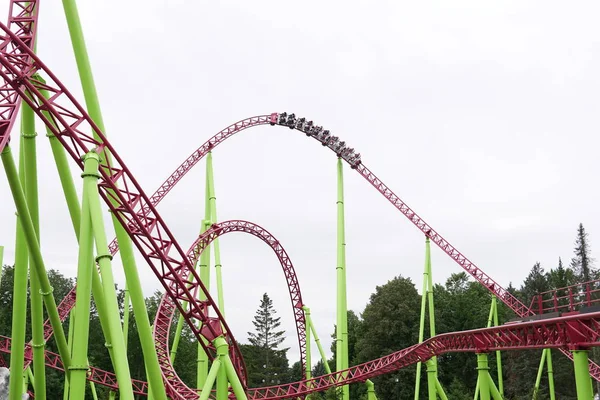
<point>434,387</point>
<point>127,255</point>
<point>35,254</point>
<point>582,377</point>
<point>342,308</point>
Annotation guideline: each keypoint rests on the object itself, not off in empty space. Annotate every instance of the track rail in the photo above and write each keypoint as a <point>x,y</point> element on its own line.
<point>76,131</point>
<point>22,21</point>
<point>134,209</point>
<point>166,309</point>
<point>95,375</point>
<point>574,332</point>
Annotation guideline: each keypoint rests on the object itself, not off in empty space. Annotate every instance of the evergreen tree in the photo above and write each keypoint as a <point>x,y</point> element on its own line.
<point>559,279</point>
<point>266,336</point>
<point>267,364</point>
<point>582,262</point>
<point>536,282</point>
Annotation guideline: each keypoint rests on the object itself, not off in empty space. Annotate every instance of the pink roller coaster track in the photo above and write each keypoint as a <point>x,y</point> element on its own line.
<point>71,125</point>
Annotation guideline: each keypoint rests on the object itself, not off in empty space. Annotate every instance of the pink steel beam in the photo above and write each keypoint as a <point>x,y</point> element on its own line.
<point>22,20</point>
<point>574,332</point>
<point>75,130</point>
<point>166,309</point>
<point>17,71</point>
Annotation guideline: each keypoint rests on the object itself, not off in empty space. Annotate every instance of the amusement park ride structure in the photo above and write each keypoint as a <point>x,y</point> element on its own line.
<point>80,134</point>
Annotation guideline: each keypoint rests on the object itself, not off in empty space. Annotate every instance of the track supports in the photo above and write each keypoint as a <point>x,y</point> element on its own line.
<point>582,376</point>
<point>29,178</point>
<point>84,286</point>
<point>493,319</point>
<point>487,388</point>
<point>434,388</point>
<point>127,255</point>
<point>36,256</point>
<point>342,308</point>
<point>547,359</point>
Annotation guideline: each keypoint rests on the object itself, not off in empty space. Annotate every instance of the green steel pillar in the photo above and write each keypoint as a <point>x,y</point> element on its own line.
<point>582,376</point>
<point>204,266</point>
<point>216,247</point>
<point>422,327</point>
<point>498,352</point>
<point>127,255</point>
<point>308,344</point>
<point>110,295</point>
<point>370,390</point>
<point>342,308</point>
<point>550,374</point>
<point>31,192</point>
<point>428,306</point>
<point>538,378</point>
<point>431,372</point>
<point>126,317</point>
<point>84,288</point>
<point>484,382</point>
<point>223,351</point>
<point>35,253</point>
<point>210,380</point>
<point>19,296</point>
<point>71,326</point>
<point>310,324</point>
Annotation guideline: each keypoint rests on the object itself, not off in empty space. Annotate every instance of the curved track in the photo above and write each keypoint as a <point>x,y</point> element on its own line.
<point>75,130</point>
<point>71,125</point>
<point>166,309</point>
<point>573,332</point>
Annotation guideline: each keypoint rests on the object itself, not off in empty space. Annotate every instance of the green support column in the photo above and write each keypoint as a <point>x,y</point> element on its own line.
<point>582,376</point>
<point>498,352</point>
<point>431,372</point>
<point>110,295</point>
<point>342,308</point>
<point>204,267</point>
<point>84,289</point>
<point>223,351</point>
<point>310,324</point>
<point>308,360</point>
<point>71,326</point>
<point>127,255</point>
<point>31,192</point>
<point>126,317</point>
<point>370,390</point>
<point>493,319</point>
<point>434,388</point>
<point>422,324</point>
<point>215,243</point>
<point>482,368</point>
<point>538,378</point>
<point>550,374</point>
<point>35,253</point>
<point>19,315</point>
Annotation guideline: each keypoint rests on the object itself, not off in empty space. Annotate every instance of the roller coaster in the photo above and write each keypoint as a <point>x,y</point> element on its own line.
<point>77,132</point>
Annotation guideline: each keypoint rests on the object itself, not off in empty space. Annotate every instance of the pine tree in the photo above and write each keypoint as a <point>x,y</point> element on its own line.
<point>266,325</point>
<point>559,279</point>
<point>582,263</point>
<point>267,364</point>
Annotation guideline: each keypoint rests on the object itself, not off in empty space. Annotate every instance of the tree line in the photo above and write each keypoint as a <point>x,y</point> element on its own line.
<point>389,322</point>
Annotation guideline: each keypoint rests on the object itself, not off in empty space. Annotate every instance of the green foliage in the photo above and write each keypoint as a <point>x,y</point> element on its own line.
<point>582,262</point>
<point>390,322</point>
<point>267,365</point>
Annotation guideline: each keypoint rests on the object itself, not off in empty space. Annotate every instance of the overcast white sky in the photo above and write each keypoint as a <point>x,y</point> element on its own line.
<point>482,116</point>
